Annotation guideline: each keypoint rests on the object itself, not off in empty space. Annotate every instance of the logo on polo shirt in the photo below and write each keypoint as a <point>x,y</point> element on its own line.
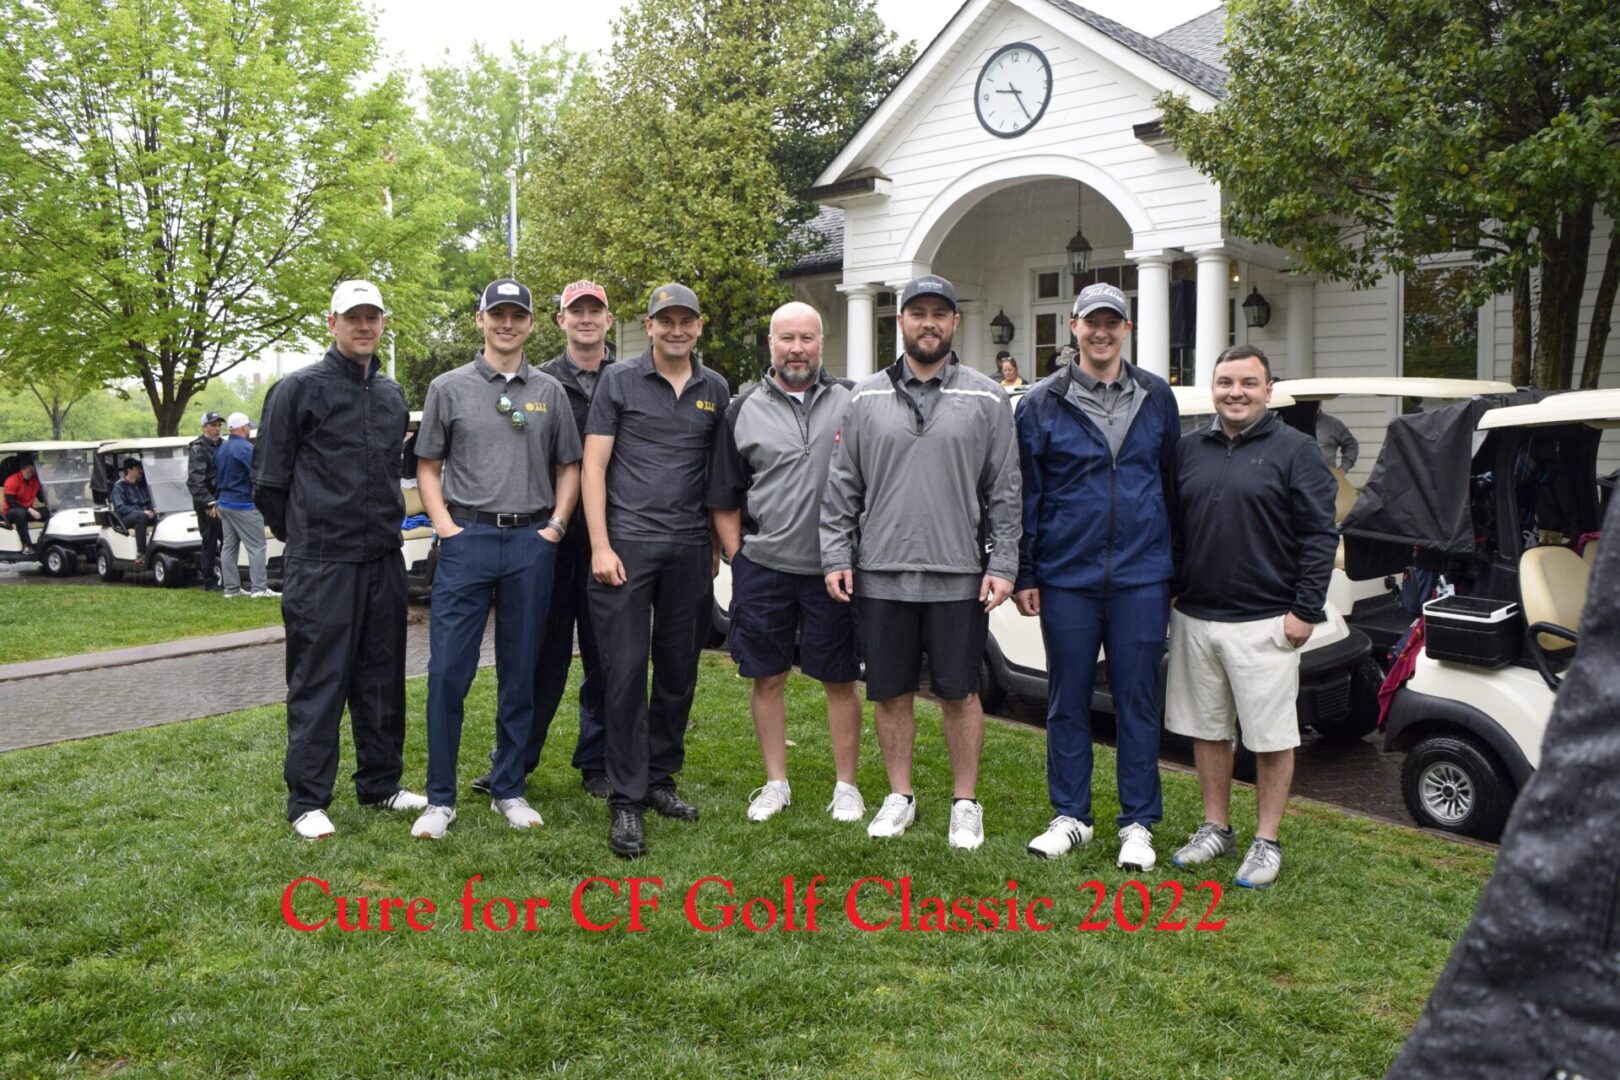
<point>706,406</point>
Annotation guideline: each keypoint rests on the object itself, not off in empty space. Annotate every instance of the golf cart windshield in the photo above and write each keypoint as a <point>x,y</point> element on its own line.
<point>65,477</point>
<point>165,474</point>
<point>1425,490</point>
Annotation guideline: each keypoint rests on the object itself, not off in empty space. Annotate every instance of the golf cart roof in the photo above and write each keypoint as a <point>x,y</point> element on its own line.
<point>1391,386</point>
<point>123,445</point>
<point>1595,408</point>
<point>38,447</point>
<point>1197,401</point>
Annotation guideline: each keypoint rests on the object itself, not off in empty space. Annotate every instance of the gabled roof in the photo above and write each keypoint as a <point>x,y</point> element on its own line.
<point>1211,80</point>
<point>1202,38</point>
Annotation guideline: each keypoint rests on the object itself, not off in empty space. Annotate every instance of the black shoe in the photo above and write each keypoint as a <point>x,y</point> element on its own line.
<point>595,784</point>
<point>666,802</point>
<point>625,837</point>
<point>481,785</point>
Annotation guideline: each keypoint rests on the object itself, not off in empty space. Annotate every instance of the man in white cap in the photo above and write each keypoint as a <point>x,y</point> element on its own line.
<point>326,471</point>
<point>240,519</point>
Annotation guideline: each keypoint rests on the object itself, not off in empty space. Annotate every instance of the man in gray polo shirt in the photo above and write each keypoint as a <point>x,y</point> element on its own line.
<point>647,443</point>
<point>924,483</point>
<point>770,464</point>
<point>498,475</point>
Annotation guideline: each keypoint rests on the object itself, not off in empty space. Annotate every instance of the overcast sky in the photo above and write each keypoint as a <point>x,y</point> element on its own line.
<point>417,32</point>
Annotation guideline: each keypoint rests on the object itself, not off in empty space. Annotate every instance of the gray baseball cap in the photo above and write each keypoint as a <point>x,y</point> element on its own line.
<point>1101,297</point>
<point>672,295</point>
<point>928,285</point>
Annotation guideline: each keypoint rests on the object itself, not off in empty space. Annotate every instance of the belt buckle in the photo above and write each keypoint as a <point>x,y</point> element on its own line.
<point>507,521</point>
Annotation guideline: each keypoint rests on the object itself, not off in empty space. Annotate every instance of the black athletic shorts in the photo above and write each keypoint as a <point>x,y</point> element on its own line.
<point>896,633</point>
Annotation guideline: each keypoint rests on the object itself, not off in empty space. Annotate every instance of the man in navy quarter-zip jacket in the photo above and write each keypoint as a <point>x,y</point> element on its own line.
<point>1097,443</point>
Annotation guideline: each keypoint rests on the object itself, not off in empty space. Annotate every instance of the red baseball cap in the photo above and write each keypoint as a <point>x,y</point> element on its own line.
<point>577,289</point>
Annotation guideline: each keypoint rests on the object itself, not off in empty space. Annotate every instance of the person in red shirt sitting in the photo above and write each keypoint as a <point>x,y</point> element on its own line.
<point>23,504</point>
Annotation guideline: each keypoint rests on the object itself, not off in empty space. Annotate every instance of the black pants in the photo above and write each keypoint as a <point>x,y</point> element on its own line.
<point>210,530</point>
<point>345,644</point>
<point>20,519</point>
<point>568,610</point>
<point>138,523</point>
<point>664,607</point>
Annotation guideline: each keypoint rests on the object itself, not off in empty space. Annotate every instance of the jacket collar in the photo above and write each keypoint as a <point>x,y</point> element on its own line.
<point>563,368</point>
<point>1127,369</point>
<point>898,371</point>
<point>348,368</point>
<point>824,380</point>
<point>1259,429</point>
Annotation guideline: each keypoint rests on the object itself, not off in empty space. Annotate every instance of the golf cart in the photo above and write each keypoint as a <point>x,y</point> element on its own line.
<point>420,544</point>
<point>1372,605</point>
<point>173,542</point>
<point>1499,496</point>
<point>63,469</point>
<point>1338,683</point>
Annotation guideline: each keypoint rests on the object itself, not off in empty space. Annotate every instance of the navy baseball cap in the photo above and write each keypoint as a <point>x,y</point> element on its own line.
<point>928,285</point>
<point>1101,297</point>
<point>506,291</point>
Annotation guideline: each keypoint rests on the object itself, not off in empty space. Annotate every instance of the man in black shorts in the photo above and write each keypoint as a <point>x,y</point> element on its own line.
<point>925,482</point>
<point>768,468</point>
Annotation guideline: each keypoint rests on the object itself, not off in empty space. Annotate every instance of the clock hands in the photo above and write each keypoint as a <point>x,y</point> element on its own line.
<point>1018,96</point>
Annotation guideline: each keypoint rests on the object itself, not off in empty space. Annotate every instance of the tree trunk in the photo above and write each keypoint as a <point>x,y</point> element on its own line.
<point>1563,281</point>
<point>1597,337</point>
<point>1522,329</point>
<point>169,415</point>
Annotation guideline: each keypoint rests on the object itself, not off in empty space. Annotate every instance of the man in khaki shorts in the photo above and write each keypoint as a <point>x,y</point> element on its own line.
<point>1254,538</point>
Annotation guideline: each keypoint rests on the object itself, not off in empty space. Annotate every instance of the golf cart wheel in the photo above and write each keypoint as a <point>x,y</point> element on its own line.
<point>168,572</point>
<point>992,695</point>
<point>56,562</point>
<point>106,569</point>
<point>1362,717</point>
<point>1453,784</point>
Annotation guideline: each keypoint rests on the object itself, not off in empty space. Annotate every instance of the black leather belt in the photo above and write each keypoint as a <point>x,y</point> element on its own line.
<point>500,521</point>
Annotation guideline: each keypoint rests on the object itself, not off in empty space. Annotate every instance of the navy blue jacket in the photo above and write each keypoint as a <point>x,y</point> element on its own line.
<point>1254,524</point>
<point>1093,523</point>
<point>233,467</point>
<point>129,500</point>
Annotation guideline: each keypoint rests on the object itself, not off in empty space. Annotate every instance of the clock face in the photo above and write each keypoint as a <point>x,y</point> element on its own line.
<point>1014,89</point>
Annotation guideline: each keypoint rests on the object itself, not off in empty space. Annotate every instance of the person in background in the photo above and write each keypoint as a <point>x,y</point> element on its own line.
<point>242,522</point>
<point>1338,445</point>
<point>132,504</point>
<point>201,481</point>
<point>1008,368</point>
<point>24,503</point>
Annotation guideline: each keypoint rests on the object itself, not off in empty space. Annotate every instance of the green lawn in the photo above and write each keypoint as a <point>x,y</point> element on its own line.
<point>144,872</point>
<point>42,621</point>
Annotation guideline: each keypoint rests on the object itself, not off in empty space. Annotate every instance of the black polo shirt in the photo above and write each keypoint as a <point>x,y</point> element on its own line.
<point>659,469</point>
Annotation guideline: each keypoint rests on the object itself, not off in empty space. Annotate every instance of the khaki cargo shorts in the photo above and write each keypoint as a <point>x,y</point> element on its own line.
<point>1227,675</point>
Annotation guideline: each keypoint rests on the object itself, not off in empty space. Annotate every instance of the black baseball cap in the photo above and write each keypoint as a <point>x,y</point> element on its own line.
<point>928,285</point>
<point>506,291</point>
<point>672,295</point>
<point>210,418</point>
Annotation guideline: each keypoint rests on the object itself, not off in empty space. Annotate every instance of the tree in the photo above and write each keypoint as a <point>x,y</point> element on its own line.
<point>688,158</point>
<point>1364,136</point>
<point>184,180</point>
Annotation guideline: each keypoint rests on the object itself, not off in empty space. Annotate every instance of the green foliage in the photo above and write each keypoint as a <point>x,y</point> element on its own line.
<point>1363,136</point>
<point>687,158</point>
<point>183,181</point>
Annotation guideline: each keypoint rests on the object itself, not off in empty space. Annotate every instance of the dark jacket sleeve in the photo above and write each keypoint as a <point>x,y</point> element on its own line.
<point>274,453</point>
<point>1312,492</point>
<point>199,471</point>
<point>121,501</point>
<point>729,473</point>
<point>1172,506</point>
<point>1029,450</point>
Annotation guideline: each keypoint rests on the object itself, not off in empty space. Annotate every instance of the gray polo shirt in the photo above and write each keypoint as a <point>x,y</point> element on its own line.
<point>488,464</point>
<point>1112,406</point>
<point>660,464</point>
<point>770,460</point>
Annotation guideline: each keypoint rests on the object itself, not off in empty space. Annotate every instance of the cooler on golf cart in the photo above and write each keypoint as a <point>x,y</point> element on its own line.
<point>63,470</point>
<point>173,542</point>
<point>1498,498</point>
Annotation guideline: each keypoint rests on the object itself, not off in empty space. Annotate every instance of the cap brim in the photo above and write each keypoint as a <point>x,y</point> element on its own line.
<point>672,305</point>
<point>926,295</point>
<point>1102,305</point>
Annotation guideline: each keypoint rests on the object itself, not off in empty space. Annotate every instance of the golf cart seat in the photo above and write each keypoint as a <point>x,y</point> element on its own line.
<point>413,507</point>
<point>1589,553</point>
<point>1552,592</point>
<point>1346,497</point>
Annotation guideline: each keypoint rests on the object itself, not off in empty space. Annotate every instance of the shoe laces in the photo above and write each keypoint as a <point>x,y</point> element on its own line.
<point>1208,835</point>
<point>514,803</point>
<point>440,811</point>
<point>770,795</point>
<point>893,808</point>
<point>966,814</point>
<point>1135,833</point>
<point>1263,853</point>
<point>1065,824</point>
<point>845,800</point>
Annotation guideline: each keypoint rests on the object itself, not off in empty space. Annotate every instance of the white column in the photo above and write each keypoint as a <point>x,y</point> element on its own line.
<point>970,344</point>
<point>1301,328</point>
<point>860,330</point>
<point>1152,328</point>
<point>1214,323</point>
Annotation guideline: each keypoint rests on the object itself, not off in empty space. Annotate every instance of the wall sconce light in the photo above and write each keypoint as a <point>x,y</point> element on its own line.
<point>1256,310</point>
<point>1001,328</point>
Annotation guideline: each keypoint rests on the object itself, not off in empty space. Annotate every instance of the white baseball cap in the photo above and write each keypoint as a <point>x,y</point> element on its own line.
<point>236,420</point>
<point>351,294</point>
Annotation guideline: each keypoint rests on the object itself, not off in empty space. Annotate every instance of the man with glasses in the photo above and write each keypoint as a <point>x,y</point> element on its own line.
<point>498,473</point>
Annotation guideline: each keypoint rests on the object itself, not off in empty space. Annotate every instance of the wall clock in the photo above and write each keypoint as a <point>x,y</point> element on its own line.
<point>1014,88</point>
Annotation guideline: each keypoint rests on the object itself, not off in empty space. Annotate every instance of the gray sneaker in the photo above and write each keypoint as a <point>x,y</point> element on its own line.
<point>1261,865</point>
<point>1210,841</point>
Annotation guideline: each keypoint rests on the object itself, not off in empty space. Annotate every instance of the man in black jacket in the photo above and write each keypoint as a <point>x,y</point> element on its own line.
<point>326,471</point>
<point>204,488</point>
<point>584,318</point>
<point>1254,539</point>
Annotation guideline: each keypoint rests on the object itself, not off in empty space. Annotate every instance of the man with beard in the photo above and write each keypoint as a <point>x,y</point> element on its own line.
<point>326,477</point>
<point>1097,443</point>
<point>768,468</point>
<point>925,483</point>
<point>647,444</point>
